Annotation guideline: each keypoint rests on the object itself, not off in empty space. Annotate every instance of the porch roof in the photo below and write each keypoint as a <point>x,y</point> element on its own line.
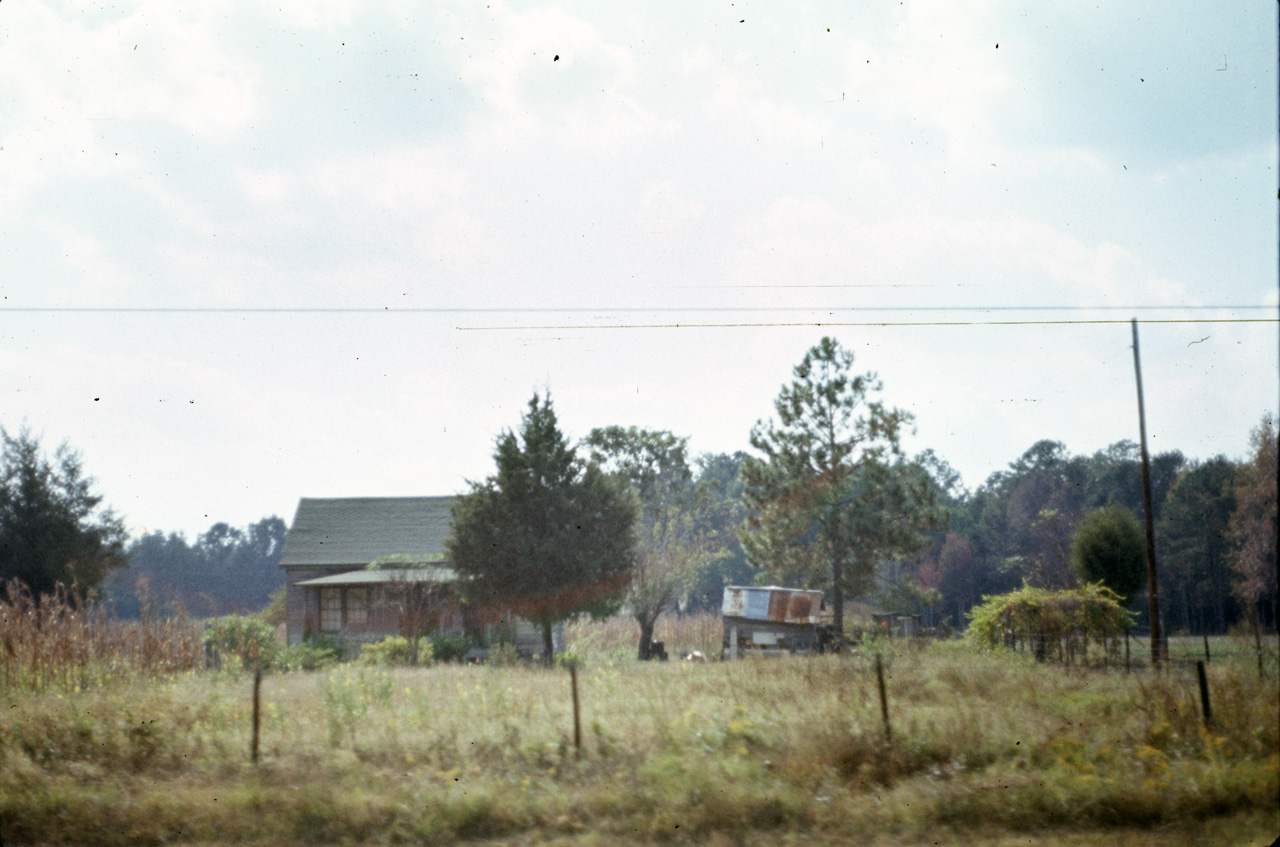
<point>383,575</point>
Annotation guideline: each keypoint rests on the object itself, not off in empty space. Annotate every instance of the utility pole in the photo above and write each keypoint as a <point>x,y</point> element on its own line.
<point>1157,642</point>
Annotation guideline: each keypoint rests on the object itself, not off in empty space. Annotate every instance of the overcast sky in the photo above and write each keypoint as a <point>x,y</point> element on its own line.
<point>331,248</point>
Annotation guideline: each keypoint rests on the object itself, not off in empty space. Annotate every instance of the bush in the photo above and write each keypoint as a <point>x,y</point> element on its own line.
<point>1092,611</point>
<point>395,650</point>
<point>274,612</point>
<point>309,656</point>
<point>450,648</point>
<point>251,640</point>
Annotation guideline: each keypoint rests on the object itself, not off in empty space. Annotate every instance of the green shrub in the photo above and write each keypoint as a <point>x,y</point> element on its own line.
<point>274,612</point>
<point>252,641</point>
<point>395,650</point>
<point>450,648</point>
<point>308,656</point>
<point>1091,611</point>
<point>568,659</point>
<point>504,655</point>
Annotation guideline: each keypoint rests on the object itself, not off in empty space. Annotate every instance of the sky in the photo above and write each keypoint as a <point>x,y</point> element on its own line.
<point>256,252</point>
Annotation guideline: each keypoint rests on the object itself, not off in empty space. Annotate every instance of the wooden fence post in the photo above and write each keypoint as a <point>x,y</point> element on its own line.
<point>1205,636</point>
<point>577,720</point>
<point>1204,694</point>
<point>884,700</point>
<point>257,714</point>
<point>1257,638</point>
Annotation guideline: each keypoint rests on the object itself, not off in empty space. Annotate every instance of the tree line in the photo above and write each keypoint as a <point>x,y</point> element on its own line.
<point>826,498</point>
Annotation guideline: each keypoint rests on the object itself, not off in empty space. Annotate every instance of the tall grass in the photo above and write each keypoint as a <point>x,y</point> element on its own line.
<point>678,751</point>
<point>59,639</point>
<point>617,638</point>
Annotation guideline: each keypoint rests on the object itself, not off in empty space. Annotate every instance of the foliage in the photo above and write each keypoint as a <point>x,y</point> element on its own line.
<point>546,536</point>
<point>671,542</point>
<point>1253,527</point>
<point>450,648</point>
<point>833,495</point>
<point>719,517</point>
<point>1109,548</point>
<point>52,527</point>
<point>419,603</point>
<point>225,569</point>
<point>395,650</point>
<point>1192,537</point>
<point>1018,525</point>
<point>275,611</point>
<point>311,655</point>
<point>1091,611</point>
<point>251,640</point>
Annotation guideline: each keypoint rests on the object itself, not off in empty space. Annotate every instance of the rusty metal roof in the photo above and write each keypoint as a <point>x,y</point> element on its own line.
<point>772,603</point>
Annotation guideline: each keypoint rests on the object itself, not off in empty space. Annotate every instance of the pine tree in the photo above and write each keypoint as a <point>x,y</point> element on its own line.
<point>547,536</point>
<point>833,495</point>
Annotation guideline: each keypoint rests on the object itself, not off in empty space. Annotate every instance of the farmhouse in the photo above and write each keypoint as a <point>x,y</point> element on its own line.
<point>350,562</point>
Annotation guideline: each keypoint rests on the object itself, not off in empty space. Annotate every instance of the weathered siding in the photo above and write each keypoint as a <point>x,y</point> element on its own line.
<point>301,605</point>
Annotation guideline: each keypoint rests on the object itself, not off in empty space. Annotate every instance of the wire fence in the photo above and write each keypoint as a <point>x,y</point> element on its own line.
<point>1134,651</point>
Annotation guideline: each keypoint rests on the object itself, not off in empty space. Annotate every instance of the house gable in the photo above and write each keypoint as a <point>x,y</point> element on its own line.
<point>331,536</point>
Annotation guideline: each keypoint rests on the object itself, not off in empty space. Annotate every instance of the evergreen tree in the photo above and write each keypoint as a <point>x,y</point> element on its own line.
<point>833,494</point>
<point>547,536</point>
<point>1109,548</point>
<point>1192,537</point>
<point>52,529</point>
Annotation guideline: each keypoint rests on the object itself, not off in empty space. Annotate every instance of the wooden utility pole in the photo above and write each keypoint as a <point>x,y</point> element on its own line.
<point>1153,592</point>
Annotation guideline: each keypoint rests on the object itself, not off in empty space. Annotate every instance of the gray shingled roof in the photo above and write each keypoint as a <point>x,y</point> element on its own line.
<point>357,530</point>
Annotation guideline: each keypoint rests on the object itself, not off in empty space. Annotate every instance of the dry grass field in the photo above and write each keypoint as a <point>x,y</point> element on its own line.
<point>991,749</point>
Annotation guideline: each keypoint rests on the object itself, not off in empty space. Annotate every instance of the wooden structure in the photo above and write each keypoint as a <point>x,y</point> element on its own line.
<point>770,620</point>
<point>898,626</point>
<point>350,563</point>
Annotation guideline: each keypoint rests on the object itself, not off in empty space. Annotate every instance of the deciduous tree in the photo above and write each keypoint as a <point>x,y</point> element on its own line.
<point>670,542</point>
<point>1253,528</point>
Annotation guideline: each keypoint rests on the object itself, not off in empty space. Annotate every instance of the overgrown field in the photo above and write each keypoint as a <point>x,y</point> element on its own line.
<point>990,747</point>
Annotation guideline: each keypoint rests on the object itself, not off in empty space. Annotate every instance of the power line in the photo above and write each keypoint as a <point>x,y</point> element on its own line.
<point>453,310</point>
<point>863,324</point>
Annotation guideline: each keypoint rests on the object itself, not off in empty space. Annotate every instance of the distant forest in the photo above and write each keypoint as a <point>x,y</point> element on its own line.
<point>1015,527</point>
<point>226,569</point>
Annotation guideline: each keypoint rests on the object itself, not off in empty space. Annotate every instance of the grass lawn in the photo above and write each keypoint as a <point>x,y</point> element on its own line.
<point>986,749</point>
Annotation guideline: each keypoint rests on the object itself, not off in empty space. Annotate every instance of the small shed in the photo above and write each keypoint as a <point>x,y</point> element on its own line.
<point>771,619</point>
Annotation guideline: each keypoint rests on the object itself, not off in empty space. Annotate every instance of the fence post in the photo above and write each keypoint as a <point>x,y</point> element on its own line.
<point>1257,638</point>
<point>257,713</point>
<point>1205,636</point>
<point>1204,694</point>
<point>577,720</point>
<point>884,700</point>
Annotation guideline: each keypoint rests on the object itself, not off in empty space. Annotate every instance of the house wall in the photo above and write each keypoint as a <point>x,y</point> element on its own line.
<point>300,604</point>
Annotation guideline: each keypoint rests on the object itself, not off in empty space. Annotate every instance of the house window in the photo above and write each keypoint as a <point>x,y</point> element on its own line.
<point>357,606</point>
<point>330,609</point>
